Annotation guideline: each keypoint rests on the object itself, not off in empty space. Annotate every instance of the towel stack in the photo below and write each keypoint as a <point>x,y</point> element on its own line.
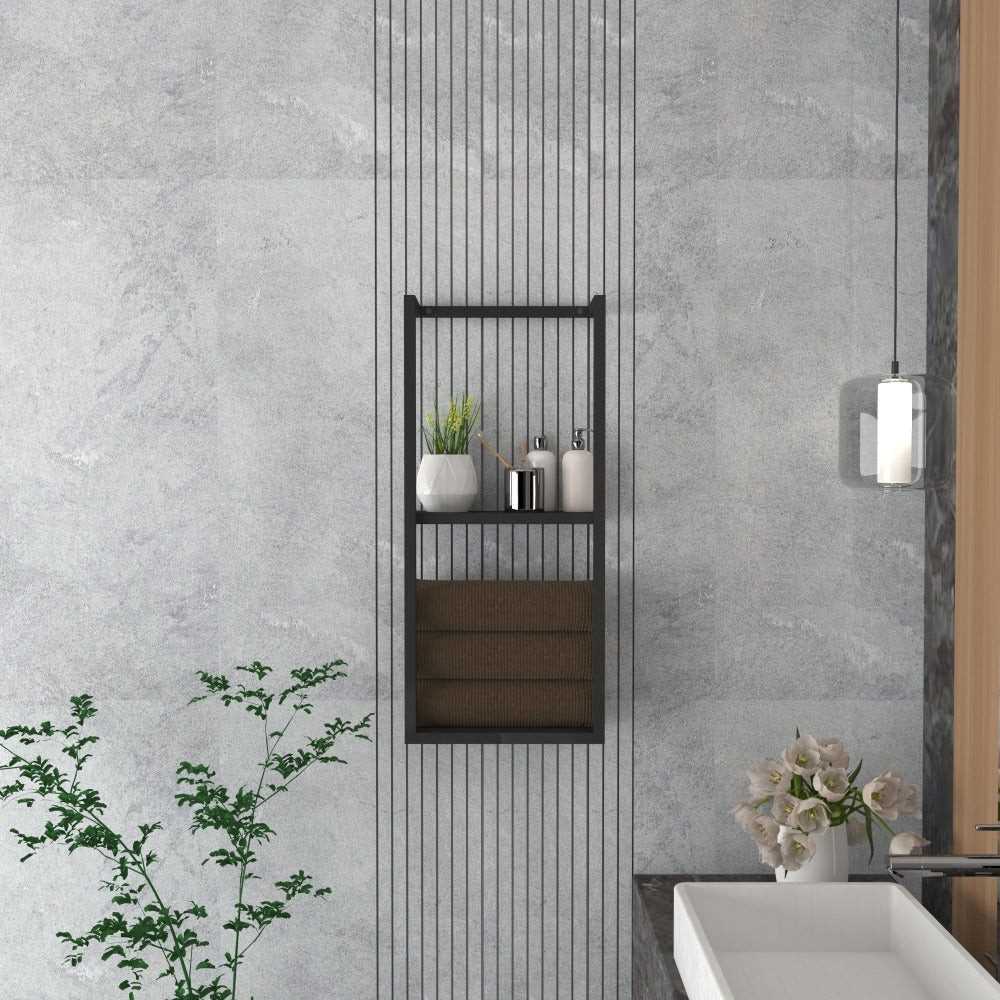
<point>504,654</point>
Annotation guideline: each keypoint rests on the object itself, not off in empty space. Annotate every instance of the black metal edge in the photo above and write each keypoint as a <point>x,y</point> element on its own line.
<point>483,311</point>
<point>504,312</point>
<point>505,517</point>
<point>598,311</point>
<point>504,737</point>
<point>410,307</point>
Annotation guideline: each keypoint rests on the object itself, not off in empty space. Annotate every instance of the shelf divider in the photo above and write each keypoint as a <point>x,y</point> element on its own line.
<point>506,517</point>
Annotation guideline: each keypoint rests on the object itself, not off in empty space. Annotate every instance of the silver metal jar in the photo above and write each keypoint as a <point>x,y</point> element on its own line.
<point>526,489</point>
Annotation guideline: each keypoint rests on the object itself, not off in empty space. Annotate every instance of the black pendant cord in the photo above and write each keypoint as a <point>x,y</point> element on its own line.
<point>895,219</point>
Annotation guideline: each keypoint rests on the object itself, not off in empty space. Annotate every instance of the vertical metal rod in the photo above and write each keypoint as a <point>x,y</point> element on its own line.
<point>603,375</point>
<point>437,554</point>
<point>527,434</point>
<point>437,872</point>
<point>587,907</point>
<point>423,884</point>
<point>451,527</point>
<point>392,569</point>
<point>558,863</point>
<point>590,211</point>
<point>542,143</point>
<point>437,350</point>
<point>635,126</point>
<point>482,476</point>
<point>572,380</point>
<point>513,241</point>
<point>618,477</point>
<point>482,871</point>
<point>482,273</point>
<point>558,963</point>
<point>420,206</point>
<point>378,853</point>
<point>598,313</point>
<point>572,872</point>
<point>465,290</point>
<point>512,869</point>
<point>558,286</point>
<point>407,416</point>
<point>496,261</point>
<point>496,869</point>
<point>451,860</point>
<point>451,271</point>
<point>527,870</point>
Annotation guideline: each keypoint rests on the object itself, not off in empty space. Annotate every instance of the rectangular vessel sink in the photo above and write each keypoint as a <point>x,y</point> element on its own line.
<point>828,941</point>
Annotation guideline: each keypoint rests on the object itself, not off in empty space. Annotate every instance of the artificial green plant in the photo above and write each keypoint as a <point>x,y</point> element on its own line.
<point>451,435</point>
<point>145,933</point>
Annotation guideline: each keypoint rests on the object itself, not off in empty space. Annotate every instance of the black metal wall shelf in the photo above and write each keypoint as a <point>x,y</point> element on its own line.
<point>506,517</point>
<point>594,313</point>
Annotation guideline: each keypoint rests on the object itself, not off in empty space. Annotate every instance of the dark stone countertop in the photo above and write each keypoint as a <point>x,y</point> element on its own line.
<point>654,974</point>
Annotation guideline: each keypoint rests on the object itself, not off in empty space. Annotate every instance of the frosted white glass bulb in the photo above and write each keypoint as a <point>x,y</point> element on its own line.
<point>894,432</point>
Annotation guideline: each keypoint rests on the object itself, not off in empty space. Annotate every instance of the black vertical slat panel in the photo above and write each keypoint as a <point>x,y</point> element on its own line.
<point>531,936</point>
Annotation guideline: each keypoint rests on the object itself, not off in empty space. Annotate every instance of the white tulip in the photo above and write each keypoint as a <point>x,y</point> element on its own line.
<point>909,800</point>
<point>744,814</point>
<point>882,794</point>
<point>768,777</point>
<point>796,849</point>
<point>764,830</point>
<point>906,843</point>
<point>803,756</point>
<point>833,753</point>
<point>783,808</point>
<point>810,815</point>
<point>831,783</point>
<point>770,856</point>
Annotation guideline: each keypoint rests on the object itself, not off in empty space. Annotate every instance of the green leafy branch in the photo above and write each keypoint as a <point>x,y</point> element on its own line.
<point>142,933</point>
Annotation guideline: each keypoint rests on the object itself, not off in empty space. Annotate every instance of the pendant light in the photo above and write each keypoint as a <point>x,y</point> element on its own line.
<point>894,423</point>
<point>883,418</point>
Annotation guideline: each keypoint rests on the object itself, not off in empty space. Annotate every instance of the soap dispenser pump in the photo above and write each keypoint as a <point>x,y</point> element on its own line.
<point>578,475</point>
<point>541,458</point>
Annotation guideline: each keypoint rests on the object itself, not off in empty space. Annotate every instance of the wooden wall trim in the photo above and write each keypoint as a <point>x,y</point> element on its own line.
<point>977,547</point>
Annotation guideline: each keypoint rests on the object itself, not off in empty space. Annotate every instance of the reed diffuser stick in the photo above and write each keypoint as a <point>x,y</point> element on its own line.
<point>485,444</point>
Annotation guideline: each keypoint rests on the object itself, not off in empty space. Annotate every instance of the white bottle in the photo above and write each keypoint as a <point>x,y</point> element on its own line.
<point>578,475</point>
<point>541,458</point>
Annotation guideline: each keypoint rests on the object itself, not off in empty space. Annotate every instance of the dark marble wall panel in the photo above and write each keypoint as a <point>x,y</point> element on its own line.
<point>939,503</point>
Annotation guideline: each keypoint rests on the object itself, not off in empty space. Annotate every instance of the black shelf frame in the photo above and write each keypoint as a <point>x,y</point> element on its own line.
<point>595,314</point>
<point>506,517</point>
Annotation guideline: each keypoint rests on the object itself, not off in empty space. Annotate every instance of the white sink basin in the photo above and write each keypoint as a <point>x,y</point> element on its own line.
<point>831,941</point>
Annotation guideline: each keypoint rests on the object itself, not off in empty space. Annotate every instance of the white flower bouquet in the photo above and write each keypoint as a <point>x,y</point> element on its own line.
<point>809,790</point>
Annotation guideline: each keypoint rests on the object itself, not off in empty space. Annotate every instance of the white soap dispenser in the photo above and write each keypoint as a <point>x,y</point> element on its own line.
<point>541,458</point>
<point>578,475</point>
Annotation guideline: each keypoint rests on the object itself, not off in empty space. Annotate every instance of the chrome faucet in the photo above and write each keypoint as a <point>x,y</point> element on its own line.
<point>950,865</point>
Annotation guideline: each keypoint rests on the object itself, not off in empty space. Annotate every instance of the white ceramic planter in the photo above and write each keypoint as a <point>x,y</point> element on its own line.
<point>829,863</point>
<point>447,483</point>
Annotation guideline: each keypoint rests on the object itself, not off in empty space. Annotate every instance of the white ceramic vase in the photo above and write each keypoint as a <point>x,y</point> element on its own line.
<point>447,483</point>
<point>829,863</point>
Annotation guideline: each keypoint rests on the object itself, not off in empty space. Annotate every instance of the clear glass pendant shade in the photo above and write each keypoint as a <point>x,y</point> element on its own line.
<point>887,427</point>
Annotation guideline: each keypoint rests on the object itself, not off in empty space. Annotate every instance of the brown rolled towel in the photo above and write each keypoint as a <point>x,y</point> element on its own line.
<point>504,705</point>
<point>504,605</point>
<point>484,656</point>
